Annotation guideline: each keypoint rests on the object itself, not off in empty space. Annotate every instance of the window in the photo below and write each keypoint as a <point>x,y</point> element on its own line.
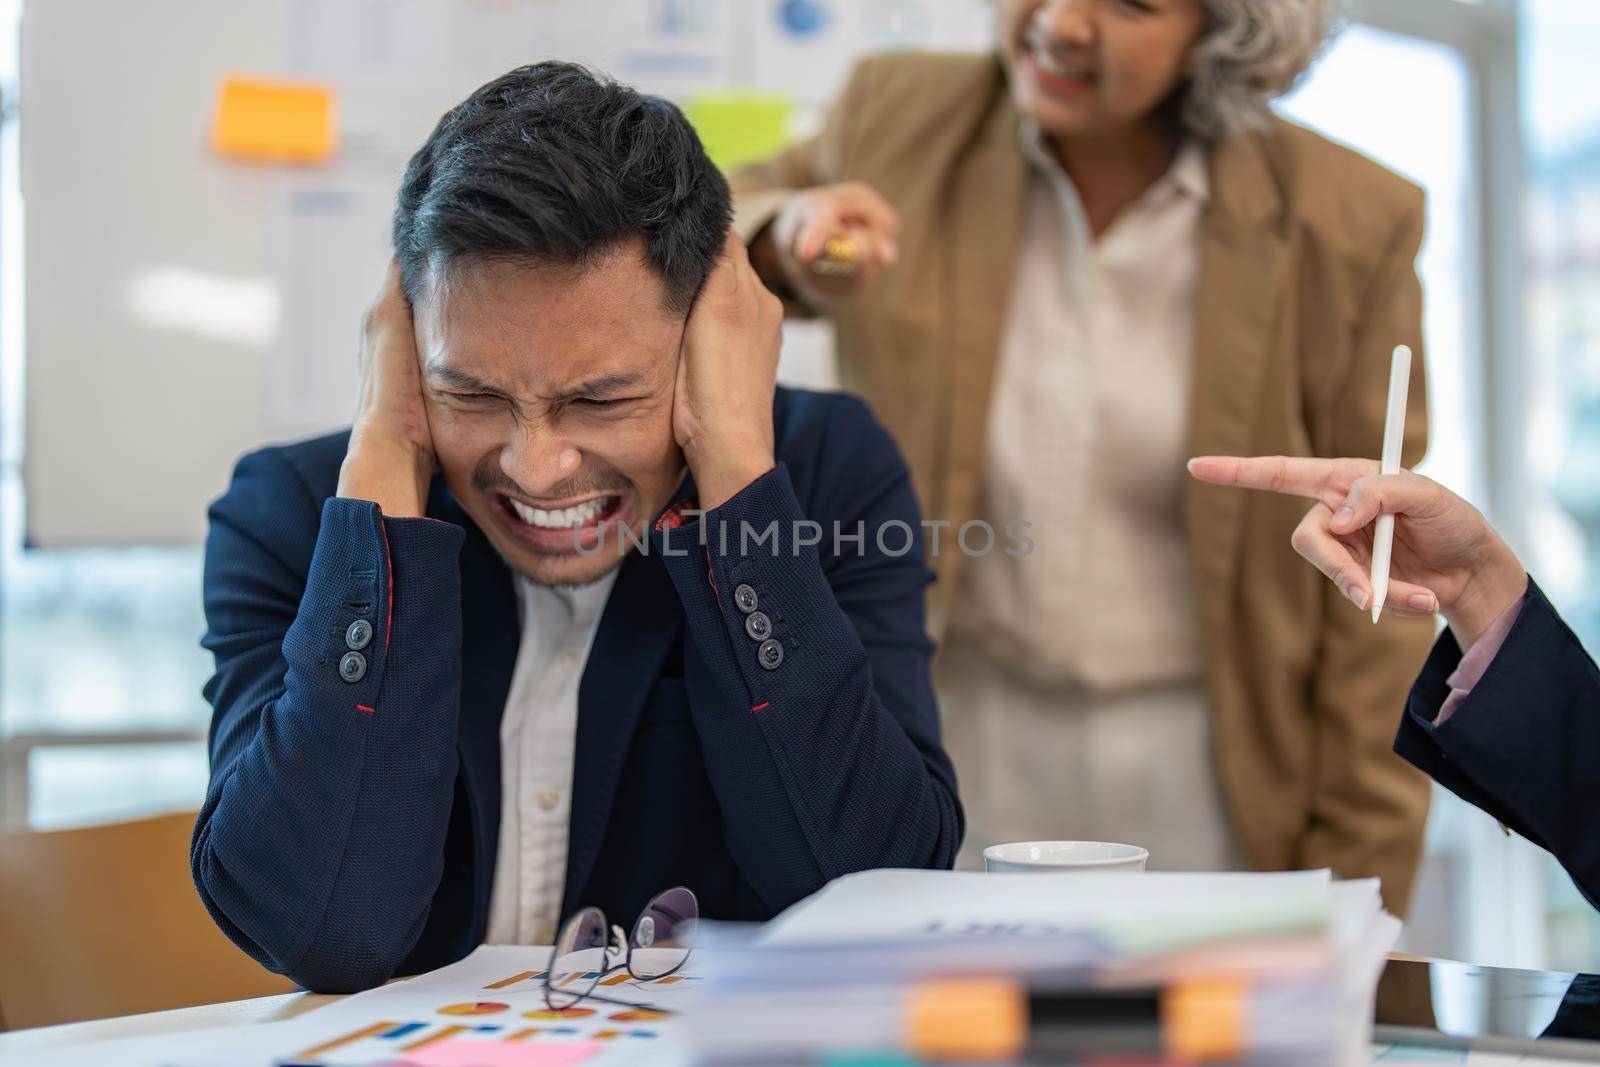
<point>1561,362</point>
<point>94,644</point>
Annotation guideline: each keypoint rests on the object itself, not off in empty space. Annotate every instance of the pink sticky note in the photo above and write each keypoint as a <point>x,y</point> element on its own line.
<point>502,1054</point>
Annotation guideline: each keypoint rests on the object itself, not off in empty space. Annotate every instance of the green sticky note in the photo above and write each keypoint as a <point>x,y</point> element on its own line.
<point>740,127</point>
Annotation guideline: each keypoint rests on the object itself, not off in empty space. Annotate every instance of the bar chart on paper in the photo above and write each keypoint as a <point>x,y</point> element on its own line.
<point>494,997</point>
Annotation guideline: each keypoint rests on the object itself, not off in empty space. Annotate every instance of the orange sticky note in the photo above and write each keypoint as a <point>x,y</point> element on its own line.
<point>275,121</point>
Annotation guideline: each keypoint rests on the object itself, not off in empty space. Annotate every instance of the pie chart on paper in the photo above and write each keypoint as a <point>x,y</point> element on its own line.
<point>476,1007</point>
<point>558,1013</point>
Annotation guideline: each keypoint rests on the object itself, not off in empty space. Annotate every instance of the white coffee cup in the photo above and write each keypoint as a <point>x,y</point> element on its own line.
<point>1043,857</point>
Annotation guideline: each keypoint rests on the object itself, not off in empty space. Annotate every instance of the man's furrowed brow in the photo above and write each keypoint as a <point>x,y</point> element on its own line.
<point>602,387</point>
<point>460,379</point>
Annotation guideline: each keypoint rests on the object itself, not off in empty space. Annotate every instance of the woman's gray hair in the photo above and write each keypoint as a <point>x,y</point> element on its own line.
<point>1252,52</point>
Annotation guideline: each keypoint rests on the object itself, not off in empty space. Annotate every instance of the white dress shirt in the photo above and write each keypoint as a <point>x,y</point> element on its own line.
<point>538,737</point>
<point>1072,678</point>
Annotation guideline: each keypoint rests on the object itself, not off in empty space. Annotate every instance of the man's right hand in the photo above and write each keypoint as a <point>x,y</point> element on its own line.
<point>811,218</point>
<point>391,458</point>
<point>1447,558</point>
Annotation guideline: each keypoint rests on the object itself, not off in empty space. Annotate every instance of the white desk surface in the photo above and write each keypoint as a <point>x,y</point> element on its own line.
<point>232,1013</point>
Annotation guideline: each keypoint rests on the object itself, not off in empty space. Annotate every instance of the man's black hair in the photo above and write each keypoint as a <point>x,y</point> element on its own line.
<point>553,164</point>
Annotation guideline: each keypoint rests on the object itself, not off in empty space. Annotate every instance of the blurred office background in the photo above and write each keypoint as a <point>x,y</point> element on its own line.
<point>162,309</point>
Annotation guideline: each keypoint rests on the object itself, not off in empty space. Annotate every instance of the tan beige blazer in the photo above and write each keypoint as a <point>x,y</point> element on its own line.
<point>1307,283</point>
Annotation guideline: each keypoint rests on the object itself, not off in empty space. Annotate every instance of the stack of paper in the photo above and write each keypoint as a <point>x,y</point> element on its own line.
<point>953,966</point>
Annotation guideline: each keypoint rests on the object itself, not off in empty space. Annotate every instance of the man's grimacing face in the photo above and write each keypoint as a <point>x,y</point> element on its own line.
<point>549,394</point>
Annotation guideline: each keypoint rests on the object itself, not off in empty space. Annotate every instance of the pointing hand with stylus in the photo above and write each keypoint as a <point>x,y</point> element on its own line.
<point>1446,559</point>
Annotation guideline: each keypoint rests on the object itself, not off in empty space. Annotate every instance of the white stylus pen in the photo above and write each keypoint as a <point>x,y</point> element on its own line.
<point>1394,434</point>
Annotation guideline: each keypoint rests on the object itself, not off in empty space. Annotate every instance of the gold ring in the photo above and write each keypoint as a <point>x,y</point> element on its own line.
<point>841,258</point>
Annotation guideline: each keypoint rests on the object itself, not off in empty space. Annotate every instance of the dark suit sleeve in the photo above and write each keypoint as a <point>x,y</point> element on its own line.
<point>831,762</point>
<point>321,840</point>
<point>1525,744</point>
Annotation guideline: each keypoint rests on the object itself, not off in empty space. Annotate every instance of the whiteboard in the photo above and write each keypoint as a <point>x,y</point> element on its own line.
<point>181,309</point>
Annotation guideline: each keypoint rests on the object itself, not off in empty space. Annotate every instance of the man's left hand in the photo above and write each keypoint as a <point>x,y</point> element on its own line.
<point>727,374</point>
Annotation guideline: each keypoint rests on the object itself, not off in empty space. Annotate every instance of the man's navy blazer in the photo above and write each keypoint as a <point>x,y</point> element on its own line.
<point>349,831</point>
<point>1525,744</point>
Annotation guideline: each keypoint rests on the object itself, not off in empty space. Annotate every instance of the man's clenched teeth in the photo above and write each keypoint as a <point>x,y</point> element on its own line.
<point>564,518</point>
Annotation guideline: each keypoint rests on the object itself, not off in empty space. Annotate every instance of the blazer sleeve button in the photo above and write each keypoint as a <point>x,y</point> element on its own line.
<point>770,655</point>
<point>745,597</point>
<point>353,667</point>
<point>758,626</point>
<point>359,635</point>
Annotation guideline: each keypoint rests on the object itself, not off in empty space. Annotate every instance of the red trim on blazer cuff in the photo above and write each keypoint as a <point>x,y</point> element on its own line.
<point>369,711</point>
<point>760,707</point>
<point>672,518</point>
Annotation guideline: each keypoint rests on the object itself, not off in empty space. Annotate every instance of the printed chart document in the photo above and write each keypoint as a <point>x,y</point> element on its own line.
<point>493,997</point>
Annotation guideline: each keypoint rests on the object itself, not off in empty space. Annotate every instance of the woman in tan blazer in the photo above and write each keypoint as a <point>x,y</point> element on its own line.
<point>1078,262</point>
